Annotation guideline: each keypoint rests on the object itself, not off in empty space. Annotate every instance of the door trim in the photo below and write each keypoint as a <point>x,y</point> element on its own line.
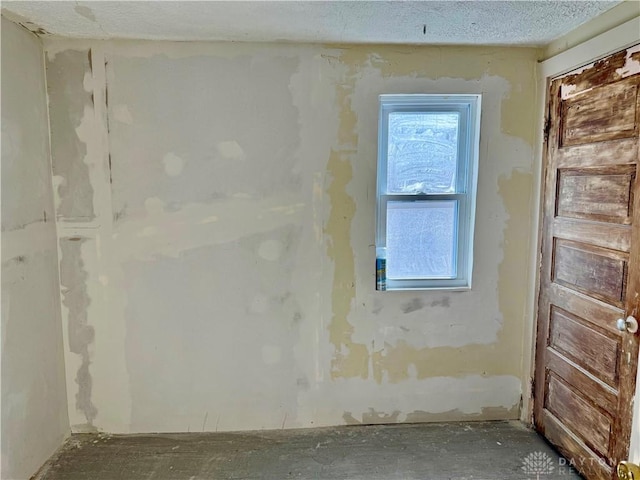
<point>611,41</point>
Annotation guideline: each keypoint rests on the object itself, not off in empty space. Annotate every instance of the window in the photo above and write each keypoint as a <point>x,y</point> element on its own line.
<point>427,176</point>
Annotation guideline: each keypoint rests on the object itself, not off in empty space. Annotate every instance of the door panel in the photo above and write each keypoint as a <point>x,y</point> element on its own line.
<point>580,379</point>
<point>604,113</point>
<point>614,237</point>
<point>596,195</point>
<point>620,152</point>
<point>585,419</point>
<point>585,460</point>
<point>590,271</point>
<point>594,271</point>
<point>594,351</point>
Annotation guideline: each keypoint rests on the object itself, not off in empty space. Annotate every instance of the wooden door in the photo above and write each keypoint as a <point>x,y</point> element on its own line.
<point>590,271</point>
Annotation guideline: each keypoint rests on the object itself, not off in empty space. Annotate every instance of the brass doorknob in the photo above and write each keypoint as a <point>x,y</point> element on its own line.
<point>628,471</point>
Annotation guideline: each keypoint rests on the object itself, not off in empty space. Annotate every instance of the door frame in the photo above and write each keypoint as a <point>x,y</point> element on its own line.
<point>609,42</point>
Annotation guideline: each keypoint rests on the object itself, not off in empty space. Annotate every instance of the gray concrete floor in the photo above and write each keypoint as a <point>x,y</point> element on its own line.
<point>482,450</point>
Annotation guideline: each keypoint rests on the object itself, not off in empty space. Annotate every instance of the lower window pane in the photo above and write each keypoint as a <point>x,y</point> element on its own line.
<point>421,239</point>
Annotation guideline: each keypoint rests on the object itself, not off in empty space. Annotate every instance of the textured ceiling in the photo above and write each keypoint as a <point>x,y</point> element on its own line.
<point>412,22</point>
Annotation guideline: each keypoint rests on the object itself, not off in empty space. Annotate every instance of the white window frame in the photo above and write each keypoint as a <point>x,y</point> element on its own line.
<point>468,108</point>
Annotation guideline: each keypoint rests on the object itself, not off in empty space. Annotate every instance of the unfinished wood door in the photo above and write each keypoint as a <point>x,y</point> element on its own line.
<point>590,272</point>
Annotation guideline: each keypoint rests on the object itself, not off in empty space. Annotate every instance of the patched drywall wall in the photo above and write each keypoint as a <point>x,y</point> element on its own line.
<point>227,280</point>
<point>34,403</point>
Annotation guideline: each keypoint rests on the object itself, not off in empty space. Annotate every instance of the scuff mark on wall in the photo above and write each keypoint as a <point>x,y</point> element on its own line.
<point>73,284</point>
<point>85,12</point>
<point>443,302</point>
<point>413,305</point>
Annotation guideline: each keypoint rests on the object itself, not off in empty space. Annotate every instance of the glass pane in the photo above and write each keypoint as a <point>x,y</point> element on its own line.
<point>421,239</point>
<point>422,152</point>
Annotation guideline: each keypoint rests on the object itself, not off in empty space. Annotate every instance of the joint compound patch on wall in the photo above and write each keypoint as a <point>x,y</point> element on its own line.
<point>231,150</point>
<point>225,131</point>
<point>70,100</point>
<point>73,284</point>
<point>173,164</point>
<point>254,306</point>
<point>423,334</point>
<point>350,359</point>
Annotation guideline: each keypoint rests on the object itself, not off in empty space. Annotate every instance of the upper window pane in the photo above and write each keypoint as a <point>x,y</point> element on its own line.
<point>422,152</point>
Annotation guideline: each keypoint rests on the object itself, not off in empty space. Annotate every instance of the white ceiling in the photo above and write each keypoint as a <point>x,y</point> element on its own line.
<point>413,22</point>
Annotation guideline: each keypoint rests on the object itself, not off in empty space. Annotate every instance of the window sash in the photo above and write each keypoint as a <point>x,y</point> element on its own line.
<point>461,241</point>
<point>464,130</point>
<point>468,108</point>
<point>427,205</point>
